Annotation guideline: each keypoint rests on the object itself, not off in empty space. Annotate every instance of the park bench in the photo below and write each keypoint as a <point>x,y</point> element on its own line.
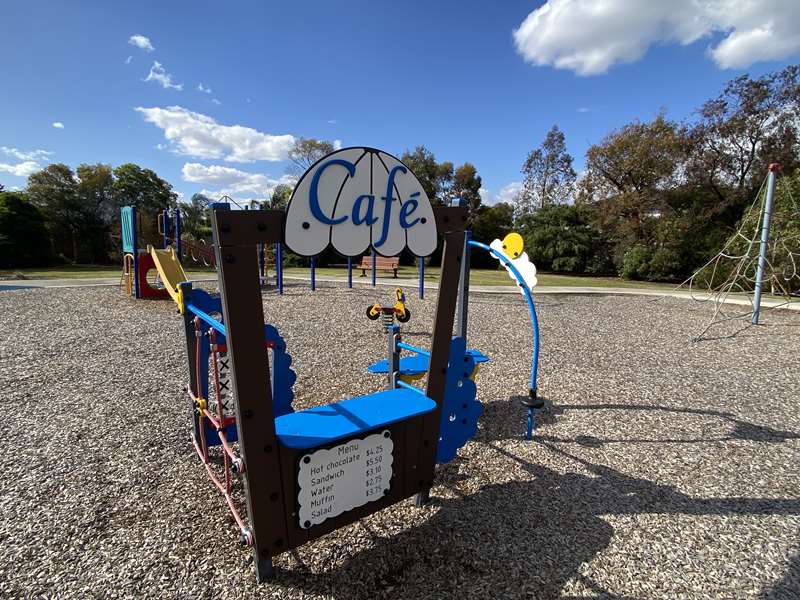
<point>382,263</point>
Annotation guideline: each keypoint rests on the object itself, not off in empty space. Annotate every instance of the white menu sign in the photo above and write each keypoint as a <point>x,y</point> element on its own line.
<point>344,477</point>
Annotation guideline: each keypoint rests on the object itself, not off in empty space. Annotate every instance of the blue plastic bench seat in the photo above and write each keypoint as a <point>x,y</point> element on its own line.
<point>417,364</point>
<point>325,424</point>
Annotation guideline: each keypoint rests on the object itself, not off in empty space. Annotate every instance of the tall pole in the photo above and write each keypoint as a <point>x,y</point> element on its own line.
<point>421,277</point>
<point>462,310</point>
<point>374,259</point>
<point>349,271</point>
<point>762,252</point>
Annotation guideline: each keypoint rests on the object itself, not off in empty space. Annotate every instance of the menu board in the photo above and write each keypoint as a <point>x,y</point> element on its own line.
<point>344,477</point>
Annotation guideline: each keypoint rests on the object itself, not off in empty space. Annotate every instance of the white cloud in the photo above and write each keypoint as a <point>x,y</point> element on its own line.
<point>159,74</point>
<point>506,194</point>
<point>58,125</point>
<point>232,182</point>
<point>23,155</point>
<point>128,60</point>
<point>215,101</point>
<point>332,121</point>
<point>337,144</point>
<point>22,169</point>
<point>583,109</point>
<point>589,37</point>
<point>198,135</point>
<point>201,88</point>
<point>141,41</point>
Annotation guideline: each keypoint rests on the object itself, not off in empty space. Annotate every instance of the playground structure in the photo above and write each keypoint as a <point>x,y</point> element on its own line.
<point>761,257</point>
<point>312,471</point>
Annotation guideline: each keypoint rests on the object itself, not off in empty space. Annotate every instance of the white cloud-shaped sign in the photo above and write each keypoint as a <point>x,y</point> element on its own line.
<point>356,198</point>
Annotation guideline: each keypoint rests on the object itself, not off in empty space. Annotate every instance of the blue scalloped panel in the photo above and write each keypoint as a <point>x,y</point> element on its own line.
<point>283,376</point>
<point>461,409</point>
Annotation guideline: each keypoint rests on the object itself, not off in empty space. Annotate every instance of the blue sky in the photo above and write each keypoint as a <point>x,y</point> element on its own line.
<point>472,81</point>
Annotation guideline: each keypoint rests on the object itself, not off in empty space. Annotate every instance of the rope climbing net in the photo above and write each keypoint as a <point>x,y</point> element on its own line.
<point>728,280</point>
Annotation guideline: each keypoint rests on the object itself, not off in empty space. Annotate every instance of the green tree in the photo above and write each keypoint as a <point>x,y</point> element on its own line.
<point>626,177</point>
<point>436,178</point>
<point>752,123</point>
<point>24,240</point>
<point>305,152</point>
<point>54,191</point>
<point>548,174</point>
<point>280,197</point>
<point>490,223</point>
<point>467,186</point>
<point>142,188</point>
<point>562,238</point>
<point>194,217</point>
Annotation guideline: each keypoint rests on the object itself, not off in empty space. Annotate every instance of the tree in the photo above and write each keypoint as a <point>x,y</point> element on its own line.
<point>562,238</point>
<point>194,217</point>
<point>490,223</point>
<point>142,188</point>
<point>54,191</point>
<point>626,177</point>
<point>436,178</point>
<point>752,123</point>
<point>549,176</point>
<point>467,186</point>
<point>24,241</point>
<point>96,190</point>
<point>280,197</point>
<point>305,152</point>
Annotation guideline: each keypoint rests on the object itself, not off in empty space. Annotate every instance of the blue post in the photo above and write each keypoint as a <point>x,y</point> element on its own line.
<point>421,277</point>
<point>313,273</point>
<point>279,266</point>
<point>374,261</point>
<point>178,233</point>
<point>349,271</point>
<point>529,434</point>
<point>136,291</point>
<point>165,224</point>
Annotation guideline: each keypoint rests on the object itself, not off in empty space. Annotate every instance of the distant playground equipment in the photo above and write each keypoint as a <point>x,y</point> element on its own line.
<point>387,314</point>
<point>166,261</point>
<point>310,472</point>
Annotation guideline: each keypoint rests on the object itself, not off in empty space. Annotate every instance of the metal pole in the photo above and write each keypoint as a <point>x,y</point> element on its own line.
<point>374,262</point>
<point>178,233</point>
<point>394,355</point>
<point>462,309</point>
<point>313,273</point>
<point>279,266</point>
<point>166,227</point>
<point>349,271</point>
<point>762,252</point>
<point>421,277</point>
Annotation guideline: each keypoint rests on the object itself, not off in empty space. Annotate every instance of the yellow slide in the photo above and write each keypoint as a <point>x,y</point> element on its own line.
<point>171,271</point>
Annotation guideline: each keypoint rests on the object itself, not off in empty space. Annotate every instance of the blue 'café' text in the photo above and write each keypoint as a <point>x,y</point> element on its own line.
<point>364,206</point>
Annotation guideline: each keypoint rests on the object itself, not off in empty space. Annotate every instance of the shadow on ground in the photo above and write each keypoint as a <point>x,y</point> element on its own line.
<point>552,526</point>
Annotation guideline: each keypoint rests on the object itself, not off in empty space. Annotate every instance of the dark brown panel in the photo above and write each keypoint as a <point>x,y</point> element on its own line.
<point>244,324</point>
<point>440,347</point>
<point>248,227</point>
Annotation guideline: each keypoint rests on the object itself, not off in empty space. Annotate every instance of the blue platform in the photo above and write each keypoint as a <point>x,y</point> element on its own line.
<point>326,424</point>
<point>417,363</point>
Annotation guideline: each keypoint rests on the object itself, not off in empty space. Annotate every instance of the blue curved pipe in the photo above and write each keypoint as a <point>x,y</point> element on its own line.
<point>534,320</point>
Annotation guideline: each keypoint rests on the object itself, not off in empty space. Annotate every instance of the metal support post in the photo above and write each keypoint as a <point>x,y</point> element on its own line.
<point>374,266</point>
<point>462,310</point>
<point>349,271</point>
<point>421,277</point>
<point>394,355</point>
<point>762,252</point>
